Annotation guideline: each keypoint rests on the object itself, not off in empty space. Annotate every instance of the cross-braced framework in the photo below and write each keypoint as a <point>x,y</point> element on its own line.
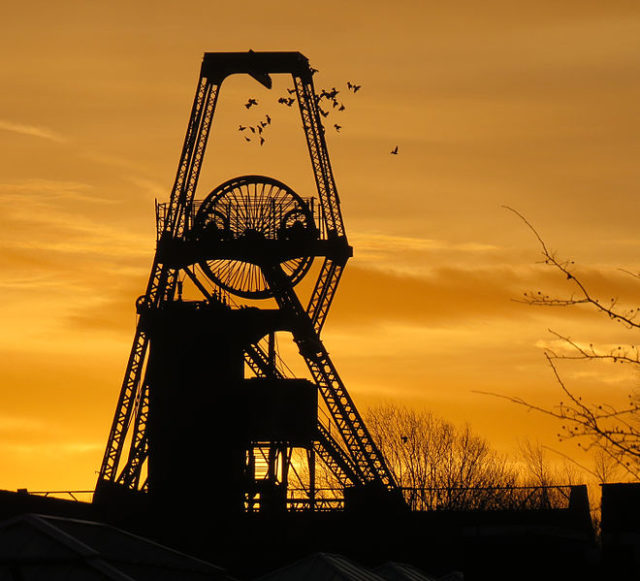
<point>252,238</point>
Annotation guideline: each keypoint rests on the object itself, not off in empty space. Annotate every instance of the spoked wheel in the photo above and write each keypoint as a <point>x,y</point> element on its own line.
<point>255,212</point>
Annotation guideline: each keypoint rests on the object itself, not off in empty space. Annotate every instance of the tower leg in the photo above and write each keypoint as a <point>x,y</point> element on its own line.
<point>311,460</point>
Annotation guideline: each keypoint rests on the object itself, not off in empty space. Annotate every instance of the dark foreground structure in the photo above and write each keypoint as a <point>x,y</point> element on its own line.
<point>552,543</point>
<point>219,451</point>
<point>52,548</point>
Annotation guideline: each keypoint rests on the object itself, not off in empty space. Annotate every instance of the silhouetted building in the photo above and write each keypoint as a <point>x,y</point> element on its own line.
<point>210,418</point>
<point>620,528</point>
<point>47,548</point>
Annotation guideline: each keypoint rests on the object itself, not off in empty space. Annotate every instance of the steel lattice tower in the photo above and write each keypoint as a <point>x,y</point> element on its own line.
<point>186,411</point>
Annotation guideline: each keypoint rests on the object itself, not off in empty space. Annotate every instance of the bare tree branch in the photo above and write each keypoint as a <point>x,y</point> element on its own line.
<point>613,432</point>
<point>583,296</point>
<point>620,354</point>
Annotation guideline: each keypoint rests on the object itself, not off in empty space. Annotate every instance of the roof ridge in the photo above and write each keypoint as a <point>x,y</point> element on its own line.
<point>138,538</point>
<point>38,522</point>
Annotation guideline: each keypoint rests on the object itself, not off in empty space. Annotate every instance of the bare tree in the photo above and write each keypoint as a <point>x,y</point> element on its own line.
<point>446,466</point>
<point>605,468</point>
<point>611,431</point>
<point>536,468</point>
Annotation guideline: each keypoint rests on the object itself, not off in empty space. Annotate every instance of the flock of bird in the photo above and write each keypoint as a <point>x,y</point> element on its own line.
<point>256,130</point>
<point>325,98</point>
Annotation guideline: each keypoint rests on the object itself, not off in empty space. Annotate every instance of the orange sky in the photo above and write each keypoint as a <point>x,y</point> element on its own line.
<point>529,104</point>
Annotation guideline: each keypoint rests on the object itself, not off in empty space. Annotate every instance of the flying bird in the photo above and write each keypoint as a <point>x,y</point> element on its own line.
<point>291,91</point>
<point>250,103</point>
<point>261,140</point>
<point>322,112</point>
<point>241,128</point>
<point>338,127</point>
<point>394,151</point>
<point>247,138</point>
<point>268,120</point>
<point>355,88</point>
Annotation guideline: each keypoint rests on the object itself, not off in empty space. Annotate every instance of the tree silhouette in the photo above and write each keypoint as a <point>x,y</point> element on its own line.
<point>611,431</point>
<point>441,466</point>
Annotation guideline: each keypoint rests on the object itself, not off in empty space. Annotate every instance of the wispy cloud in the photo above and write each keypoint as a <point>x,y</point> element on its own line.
<point>417,256</point>
<point>32,131</point>
<point>444,297</point>
<point>20,424</point>
<point>619,376</point>
<point>113,161</point>
<point>30,282</point>
<point>150,186</point>
<point>53,448</point>
<point>77,234</point>
<point>369,241</point>
<point>54,216</point>
<point>38,190</point>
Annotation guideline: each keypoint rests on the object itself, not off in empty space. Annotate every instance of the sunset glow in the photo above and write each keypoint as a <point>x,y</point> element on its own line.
<point>531,105</point>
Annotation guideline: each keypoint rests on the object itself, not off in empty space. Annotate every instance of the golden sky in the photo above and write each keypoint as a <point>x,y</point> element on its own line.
<point>530,104</point>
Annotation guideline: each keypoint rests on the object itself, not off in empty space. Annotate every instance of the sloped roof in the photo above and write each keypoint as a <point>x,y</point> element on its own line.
<point>322,567</point>
<point>51,548</point>
<point>392,571</point>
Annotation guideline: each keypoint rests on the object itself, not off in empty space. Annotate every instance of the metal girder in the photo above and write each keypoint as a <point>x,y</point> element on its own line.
<point>350,425</point>
<point>161,285</point>
<point>138,452</point>
<point>258,361</point>
<point>317,145</point>
<point>323,293</point>
<point>336,459</point>
<point>357,439</point>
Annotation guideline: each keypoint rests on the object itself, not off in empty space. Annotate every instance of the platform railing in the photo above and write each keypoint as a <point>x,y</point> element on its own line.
<point>314,208</point>
<point>515,498</point>
<point>488,498</point>
<point>75,495</point>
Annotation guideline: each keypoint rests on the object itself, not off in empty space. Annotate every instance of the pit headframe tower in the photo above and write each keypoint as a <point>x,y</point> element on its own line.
<point>205,403</point>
